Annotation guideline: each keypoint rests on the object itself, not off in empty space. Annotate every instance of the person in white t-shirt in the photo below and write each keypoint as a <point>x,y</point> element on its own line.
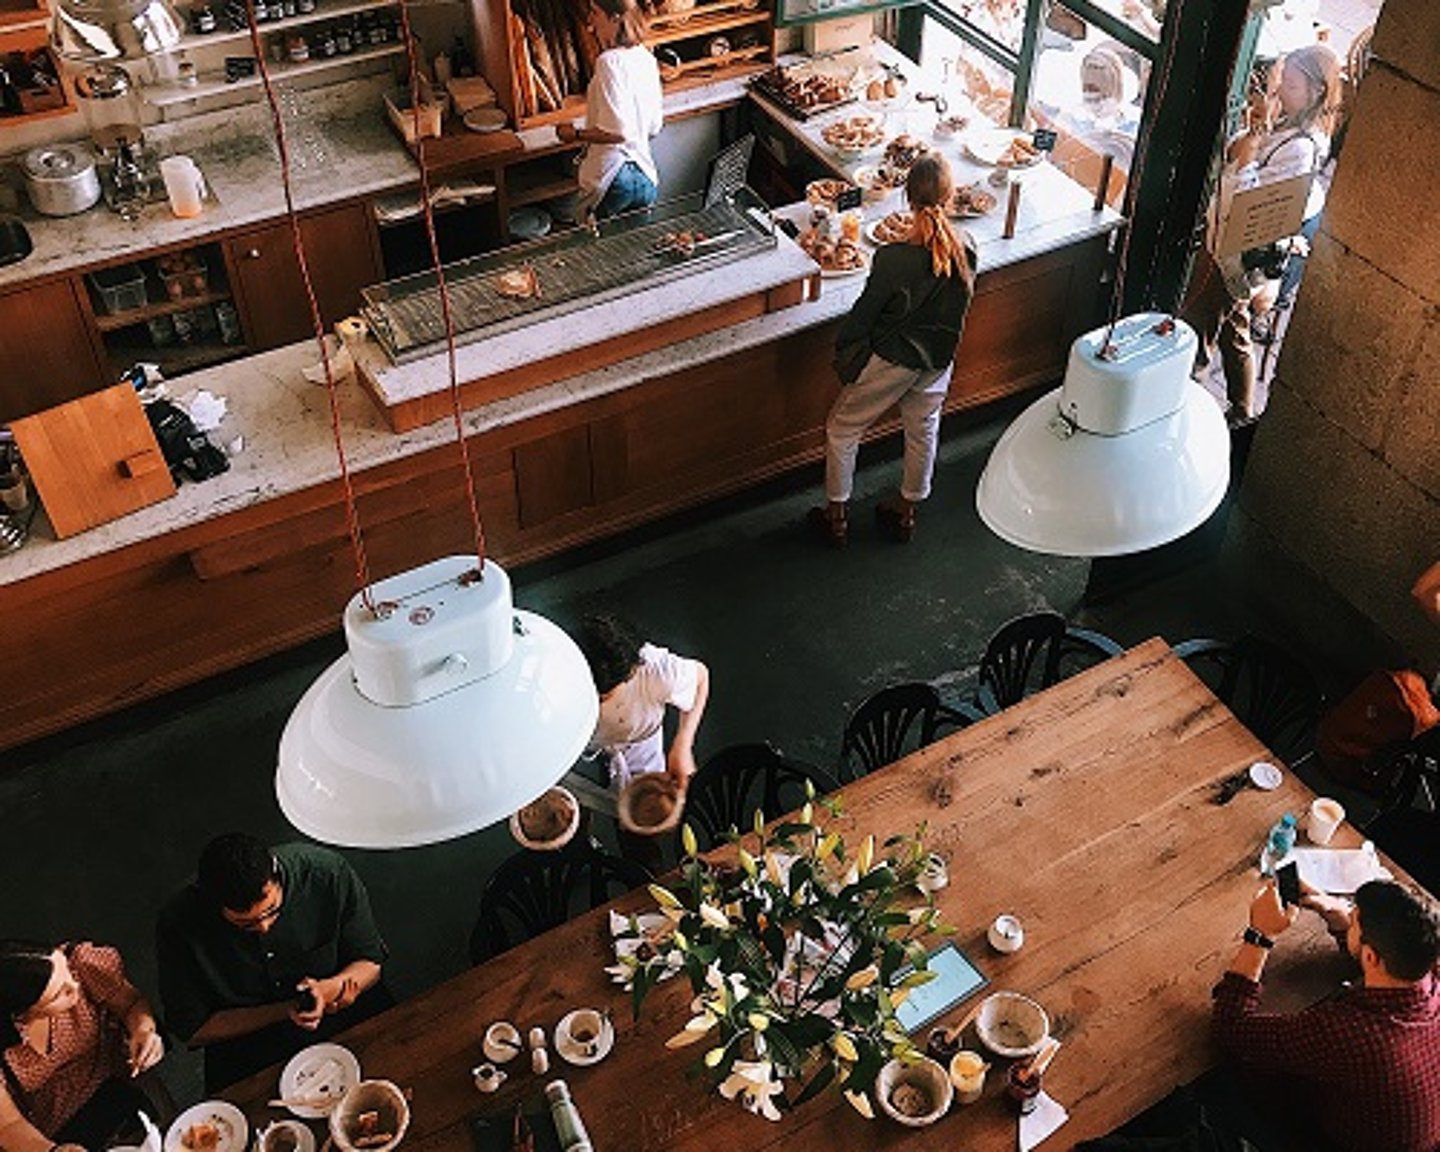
<point>623,110</point>
<point>637,682</point>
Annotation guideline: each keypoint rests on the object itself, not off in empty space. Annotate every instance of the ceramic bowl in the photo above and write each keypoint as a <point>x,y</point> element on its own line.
<point>914,1094</point>
<point>1012,1025</point>
<point>391,1117</point>
<point>502,1042</point>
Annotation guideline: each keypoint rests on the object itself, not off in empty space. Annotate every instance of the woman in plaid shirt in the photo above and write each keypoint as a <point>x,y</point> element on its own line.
<point>1366,1061</point>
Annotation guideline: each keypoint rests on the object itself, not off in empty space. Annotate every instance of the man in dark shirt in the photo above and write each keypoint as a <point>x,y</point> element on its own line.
<point>267,951</point>
<point>1366,1061</point>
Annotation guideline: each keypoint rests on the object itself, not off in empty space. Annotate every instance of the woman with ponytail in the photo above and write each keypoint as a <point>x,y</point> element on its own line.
<point>901,335</point>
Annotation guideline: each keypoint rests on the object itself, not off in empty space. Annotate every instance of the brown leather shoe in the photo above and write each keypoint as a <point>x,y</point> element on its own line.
<point>897,522</point>
<point>831,530</point>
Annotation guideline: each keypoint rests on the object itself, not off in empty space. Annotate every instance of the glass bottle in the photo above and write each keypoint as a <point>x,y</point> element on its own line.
<point>568,1126</point>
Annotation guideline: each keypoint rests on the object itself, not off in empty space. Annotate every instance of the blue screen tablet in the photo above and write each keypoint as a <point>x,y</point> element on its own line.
<point>956,979</point>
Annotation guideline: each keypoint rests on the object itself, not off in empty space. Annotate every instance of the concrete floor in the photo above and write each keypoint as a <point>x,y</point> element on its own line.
<point>102,823</point>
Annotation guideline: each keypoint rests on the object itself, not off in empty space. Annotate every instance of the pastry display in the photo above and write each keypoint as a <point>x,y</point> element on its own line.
<point>518,283</point>
<point>842,255</point>
<point>970,200</point>
<point>1018,153</point>
<point>893,228</point>
<point>826,191</point>
<point>854,133</point>
<point>806,92</point>
<point>902,152</point>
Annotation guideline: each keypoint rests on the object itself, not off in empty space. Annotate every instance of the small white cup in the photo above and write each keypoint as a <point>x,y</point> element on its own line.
<point>583,1031</point>
<point>934,874</point>
<point>1006,934</point>
<point>967,1074</point>
<point>487,1077</point>
<point>1325,816</point>
<point>183,185</point>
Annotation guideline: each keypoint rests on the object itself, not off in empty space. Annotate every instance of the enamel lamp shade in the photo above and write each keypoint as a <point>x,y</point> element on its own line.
<point>1128,454</point>
<point>451,710</point>
<point>94,30</point>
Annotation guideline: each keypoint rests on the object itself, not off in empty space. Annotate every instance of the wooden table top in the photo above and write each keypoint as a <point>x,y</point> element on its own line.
<point>1085,810</point>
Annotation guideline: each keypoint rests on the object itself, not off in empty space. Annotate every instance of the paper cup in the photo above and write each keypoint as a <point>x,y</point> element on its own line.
<point>1325,816</point>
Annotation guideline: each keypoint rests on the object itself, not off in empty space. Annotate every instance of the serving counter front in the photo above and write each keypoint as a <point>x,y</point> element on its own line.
<point>574,442</point>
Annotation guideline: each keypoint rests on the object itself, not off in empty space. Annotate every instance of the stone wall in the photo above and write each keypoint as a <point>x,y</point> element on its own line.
<point>1340,506</point>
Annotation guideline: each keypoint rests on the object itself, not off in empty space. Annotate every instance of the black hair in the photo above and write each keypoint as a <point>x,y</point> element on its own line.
<point>234,869</point>
<point>612,649</point>
<point>25,969</point>
<point>1403,928</point>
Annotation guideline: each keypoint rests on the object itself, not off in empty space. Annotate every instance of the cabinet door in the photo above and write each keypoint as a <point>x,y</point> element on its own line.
<point>340,252</point>
<point>46,354</point>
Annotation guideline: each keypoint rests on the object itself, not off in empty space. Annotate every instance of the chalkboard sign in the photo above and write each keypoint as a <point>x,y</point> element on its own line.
<point>850,198</point>
<point>1044,139</point>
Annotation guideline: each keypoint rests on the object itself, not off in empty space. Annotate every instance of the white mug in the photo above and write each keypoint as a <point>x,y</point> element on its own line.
<point>1325,816</point>
<point>183,185</point>
<point>487,1077</point>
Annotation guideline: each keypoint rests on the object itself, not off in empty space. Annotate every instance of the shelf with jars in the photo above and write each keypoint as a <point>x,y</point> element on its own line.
<point>32,85</point>
<point>299,36</point>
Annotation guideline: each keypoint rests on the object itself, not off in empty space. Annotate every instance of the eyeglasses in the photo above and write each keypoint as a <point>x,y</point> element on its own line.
<point>259,919</point>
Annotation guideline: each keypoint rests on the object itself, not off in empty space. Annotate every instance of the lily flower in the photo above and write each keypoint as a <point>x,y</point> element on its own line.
<point>754,1083</point>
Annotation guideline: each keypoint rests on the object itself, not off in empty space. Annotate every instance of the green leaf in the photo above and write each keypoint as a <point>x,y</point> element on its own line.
<point>818,1083</point>
<point>783,1050</point>
<point>640,986</point>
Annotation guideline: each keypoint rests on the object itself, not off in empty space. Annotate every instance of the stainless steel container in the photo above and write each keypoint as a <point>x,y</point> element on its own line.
<point>61,179</point>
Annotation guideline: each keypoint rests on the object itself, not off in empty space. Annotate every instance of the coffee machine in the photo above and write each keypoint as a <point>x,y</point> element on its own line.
<point>112,108</point>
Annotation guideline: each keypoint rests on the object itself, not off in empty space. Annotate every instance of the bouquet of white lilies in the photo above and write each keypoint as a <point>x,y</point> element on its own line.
<point>798,953</point>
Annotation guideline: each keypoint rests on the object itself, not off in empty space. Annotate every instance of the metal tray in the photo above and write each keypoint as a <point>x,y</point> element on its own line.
<point>574,270</point>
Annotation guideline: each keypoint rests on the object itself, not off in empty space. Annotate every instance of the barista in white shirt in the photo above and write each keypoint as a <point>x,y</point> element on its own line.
<point>637,682</point>
<point>623,110</point>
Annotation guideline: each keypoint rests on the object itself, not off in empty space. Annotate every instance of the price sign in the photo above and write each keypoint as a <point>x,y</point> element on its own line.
<point>1044,139</point>
<point>850,198</point>
<point>1265,213</point>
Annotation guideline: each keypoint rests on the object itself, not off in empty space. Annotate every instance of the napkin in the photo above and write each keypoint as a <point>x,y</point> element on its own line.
<point>1035,1126</point>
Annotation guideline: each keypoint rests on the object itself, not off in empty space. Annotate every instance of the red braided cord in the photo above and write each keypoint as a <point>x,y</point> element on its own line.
<point>429,213</point>
<point>352,516</point>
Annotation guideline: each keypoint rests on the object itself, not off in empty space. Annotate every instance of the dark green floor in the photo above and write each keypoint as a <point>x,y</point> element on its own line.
<point>101,824</point>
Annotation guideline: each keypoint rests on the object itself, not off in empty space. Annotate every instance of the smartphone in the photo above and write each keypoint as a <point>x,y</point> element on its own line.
<point>306,1000</point>
<point>1288,878</point>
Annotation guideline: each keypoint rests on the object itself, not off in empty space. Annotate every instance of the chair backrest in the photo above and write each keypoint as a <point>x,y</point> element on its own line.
<point>1270,692</point>
<point>532,892</point>
<point>1022,656</point>
<point>744,778</point>
<point>1082,648</point>
<point>878,731</point>
<point>1408,826</point>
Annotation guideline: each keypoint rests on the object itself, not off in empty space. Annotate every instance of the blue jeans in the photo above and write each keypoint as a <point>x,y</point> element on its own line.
<point>630,189</point>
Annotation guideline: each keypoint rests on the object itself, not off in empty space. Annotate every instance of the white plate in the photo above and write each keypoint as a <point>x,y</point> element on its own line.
<point>1265,775</point>
<point>322,1072</point>
<point>988,146</point>
<point>234,1132</point>
<point>842,273</point>
<point>865,174</point>
<point>485,120</point>
<point>572,1053</point>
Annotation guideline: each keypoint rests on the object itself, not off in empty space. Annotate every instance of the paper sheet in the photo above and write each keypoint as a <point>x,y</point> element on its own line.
<point>542,137</point>
<point>1048,1116</point>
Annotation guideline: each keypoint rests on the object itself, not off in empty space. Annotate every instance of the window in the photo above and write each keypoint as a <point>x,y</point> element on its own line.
<point>987,84</point>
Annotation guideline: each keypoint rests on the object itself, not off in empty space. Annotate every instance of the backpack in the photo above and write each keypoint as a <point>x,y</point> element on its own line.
<point>1357,740</point>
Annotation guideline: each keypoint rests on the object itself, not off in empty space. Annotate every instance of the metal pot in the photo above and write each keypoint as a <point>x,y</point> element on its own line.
<point>61,179</point>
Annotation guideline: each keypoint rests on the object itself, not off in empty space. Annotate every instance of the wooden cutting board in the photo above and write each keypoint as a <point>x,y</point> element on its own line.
<point>93,459</point>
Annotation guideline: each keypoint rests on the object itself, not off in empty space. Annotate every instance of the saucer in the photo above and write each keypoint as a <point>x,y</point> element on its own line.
<point>322,1072</point>
<point>572,1053</point>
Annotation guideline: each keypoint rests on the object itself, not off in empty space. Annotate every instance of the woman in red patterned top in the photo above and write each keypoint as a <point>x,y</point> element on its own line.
<point>74,1033</point>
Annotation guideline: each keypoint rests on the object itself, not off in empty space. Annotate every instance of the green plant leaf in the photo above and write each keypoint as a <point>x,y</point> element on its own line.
<point>818,1083</point>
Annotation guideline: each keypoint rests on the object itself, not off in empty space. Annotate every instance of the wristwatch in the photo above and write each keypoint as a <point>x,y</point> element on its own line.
<point>1254,936</point>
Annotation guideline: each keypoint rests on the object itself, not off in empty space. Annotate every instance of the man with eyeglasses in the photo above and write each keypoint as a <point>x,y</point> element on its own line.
<point>265,952</point>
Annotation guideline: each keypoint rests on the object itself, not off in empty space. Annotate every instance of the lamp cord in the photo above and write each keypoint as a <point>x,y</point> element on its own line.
<point>352,516</point>
<point>428,211</point>
<point>1142,150</point>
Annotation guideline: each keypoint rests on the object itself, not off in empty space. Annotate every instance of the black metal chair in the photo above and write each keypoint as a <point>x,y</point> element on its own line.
<point>532,892</point>
<point>1270,692</point>
<point>1407,826</point>
<point>742,779</point>
<point>1033,652</point>
<point>879,731</point>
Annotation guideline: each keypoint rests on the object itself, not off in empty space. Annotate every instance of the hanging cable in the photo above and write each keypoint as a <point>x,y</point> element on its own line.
<point>352,516</point>
<point>428,210</point>
<point>1142,149</point>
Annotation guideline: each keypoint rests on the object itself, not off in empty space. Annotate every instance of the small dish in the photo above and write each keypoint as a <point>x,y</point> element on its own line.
<point>1012,1025</point>
<point>287,1136</point>
<point>502,1042</point>
<point>1265,776</point>
<point>650,804</point>
<point>371,1110</point>
<point>583,1053</point>
<point>221,1124</point>
<point>322,1072</point>
<point>485,120</point>
<point>548,823</point>
<point>916,1094</point>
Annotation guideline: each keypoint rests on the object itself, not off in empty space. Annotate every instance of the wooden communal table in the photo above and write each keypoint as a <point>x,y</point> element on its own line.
<point>1085,810</point>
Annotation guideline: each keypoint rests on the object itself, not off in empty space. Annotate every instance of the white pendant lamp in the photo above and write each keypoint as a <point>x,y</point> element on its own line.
<point>1128,454</point>
<point>93,30</point>
<point>451,710</point>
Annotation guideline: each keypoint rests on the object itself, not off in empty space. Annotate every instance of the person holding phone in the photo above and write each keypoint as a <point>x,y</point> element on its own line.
<point>266,952</point>
<point>1363,1066</point>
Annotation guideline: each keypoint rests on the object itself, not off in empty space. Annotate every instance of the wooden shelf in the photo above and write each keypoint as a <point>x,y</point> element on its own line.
<point>706,26</point>
<point>116,321</point>
<point>173,359</point>
<point>527,193</point>
<point>196,40</point>
<point>167,95</point>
